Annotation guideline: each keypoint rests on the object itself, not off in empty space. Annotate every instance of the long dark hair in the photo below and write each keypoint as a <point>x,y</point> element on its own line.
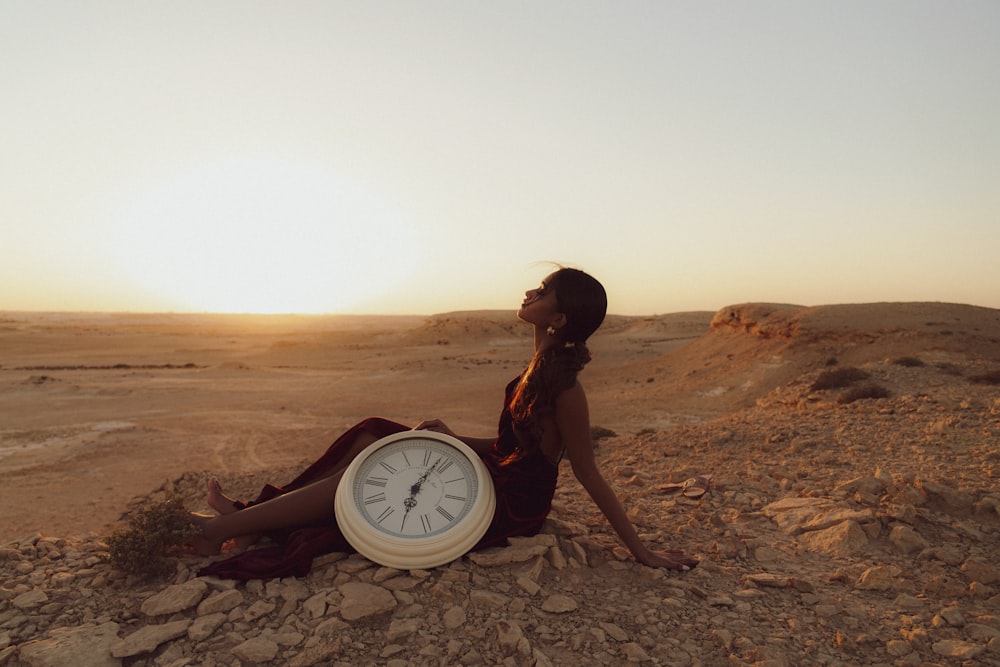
<point>582,299</point>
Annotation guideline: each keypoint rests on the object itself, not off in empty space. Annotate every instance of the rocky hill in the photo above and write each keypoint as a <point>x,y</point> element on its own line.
<point>853,519</point>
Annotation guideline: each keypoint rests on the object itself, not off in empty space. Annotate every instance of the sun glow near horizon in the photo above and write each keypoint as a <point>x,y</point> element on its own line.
<point>259,236</point>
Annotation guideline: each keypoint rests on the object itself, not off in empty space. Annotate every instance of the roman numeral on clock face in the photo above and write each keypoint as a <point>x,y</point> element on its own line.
<point>377,481</point>
<point>443,512</point>
<point>385,514</point>
<point>377,498</point>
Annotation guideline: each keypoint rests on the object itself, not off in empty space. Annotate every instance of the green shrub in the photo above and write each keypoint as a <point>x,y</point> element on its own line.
<point>838,378</point>
<point>864,391</point>
<point>157,529</point>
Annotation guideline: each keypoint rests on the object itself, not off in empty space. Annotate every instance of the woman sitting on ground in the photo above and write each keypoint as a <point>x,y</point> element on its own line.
<point>545,419</point>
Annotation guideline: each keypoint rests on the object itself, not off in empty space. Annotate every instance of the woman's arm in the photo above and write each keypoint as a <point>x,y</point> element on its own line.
<point>479,445</point>
<point>573,422</point>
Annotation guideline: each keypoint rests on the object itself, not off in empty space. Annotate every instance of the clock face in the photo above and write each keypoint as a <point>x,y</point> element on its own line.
<point>415,499</point>
<point>415,488</point>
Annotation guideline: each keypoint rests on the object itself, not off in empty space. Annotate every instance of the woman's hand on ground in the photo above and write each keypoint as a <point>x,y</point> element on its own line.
<point>673,559</point>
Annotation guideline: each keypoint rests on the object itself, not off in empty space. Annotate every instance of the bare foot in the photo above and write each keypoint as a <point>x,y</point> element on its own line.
<point>217,500</point>
<point>203,544</point>
<point>223,504</point>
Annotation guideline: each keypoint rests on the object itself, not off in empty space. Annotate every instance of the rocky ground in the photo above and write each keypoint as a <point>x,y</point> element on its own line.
<point>834,533</point>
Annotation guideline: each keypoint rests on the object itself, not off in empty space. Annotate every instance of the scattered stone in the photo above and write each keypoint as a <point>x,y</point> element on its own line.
<point>146,639</point>
<point>363,600</point>
<point>175,598</point>
<point>559,604</point>
<point>906,540</point>
<point>843,539</point>
<point>981,571</point>
<point>879,578</point>
<point>861,553</point>
<point>204,626</point>
<point>30,599</point>
<point>507,555</point>
<point>256,649</point>
<point>221,601</point>
<point>953,648</point>
<point>85,646</point>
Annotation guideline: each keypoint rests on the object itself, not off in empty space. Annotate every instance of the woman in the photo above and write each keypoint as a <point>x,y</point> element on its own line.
<point>545,419</point>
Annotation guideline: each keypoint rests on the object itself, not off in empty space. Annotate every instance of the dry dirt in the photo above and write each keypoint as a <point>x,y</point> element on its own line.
<point>804,556</point>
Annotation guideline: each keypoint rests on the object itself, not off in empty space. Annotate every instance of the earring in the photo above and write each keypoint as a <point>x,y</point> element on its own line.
<point>551,330</point>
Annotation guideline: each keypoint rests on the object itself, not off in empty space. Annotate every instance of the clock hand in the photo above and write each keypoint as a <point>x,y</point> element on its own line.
<point>415,489</point>
<point>411,502</point>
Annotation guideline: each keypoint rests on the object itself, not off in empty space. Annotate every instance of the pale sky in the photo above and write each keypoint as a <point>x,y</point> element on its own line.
<point>420,157</point>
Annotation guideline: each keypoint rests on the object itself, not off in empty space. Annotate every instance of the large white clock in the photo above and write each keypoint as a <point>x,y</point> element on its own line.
<point>415,499</point>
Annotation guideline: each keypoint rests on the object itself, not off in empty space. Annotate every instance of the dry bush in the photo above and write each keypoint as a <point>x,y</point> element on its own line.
<point>990,377</point>
<point>909,362</point>
<point>838,378</point>
<point>864,391</point>
<point>157,530</point>
<point>599,432</point>
<point>949,368</point>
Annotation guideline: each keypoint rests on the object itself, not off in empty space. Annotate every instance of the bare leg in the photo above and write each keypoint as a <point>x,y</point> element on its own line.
<point>223,504</point>
<point>309,505</point>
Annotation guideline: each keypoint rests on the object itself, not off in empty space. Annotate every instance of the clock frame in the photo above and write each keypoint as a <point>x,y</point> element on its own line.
<point>415,500</point>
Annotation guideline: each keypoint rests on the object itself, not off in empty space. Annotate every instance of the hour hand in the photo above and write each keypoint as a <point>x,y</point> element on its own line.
<point>415,489</point>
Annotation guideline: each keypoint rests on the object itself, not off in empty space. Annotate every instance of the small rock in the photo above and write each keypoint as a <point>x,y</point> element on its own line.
<point>511,639</point>
<point>30,599</point>
<point>615,632</point>
<point>977,570</point>
<point>952,616</point>
<point>258,610</point>
<point>400,629</point>
<point>906,540</point>
<point>952,648</point>
<point>256,649</point>
<point>879,578</point>
<point>363,600</point>
<point>315,606</point>
<point>175,598</point>
<point>842,539</point>
<point>85,646</point>
<point>898,648</point>
<point>559,604</point>
<point>203,626</point>
<point>905,602</point>
<point>507,555</point>
<point>767,580</point>
<point>148,638</point>
<point>221,601</point>
<point>454,618</point>
<point>635,653</point>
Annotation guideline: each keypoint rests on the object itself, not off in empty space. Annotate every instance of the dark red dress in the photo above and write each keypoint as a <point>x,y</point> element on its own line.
<point>524,490</point>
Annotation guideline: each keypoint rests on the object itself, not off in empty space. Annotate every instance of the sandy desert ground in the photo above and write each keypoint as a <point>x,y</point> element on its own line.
<point>836,531</point>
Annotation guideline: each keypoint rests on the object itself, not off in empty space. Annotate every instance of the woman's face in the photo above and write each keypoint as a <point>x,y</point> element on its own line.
<point>540,305</point>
